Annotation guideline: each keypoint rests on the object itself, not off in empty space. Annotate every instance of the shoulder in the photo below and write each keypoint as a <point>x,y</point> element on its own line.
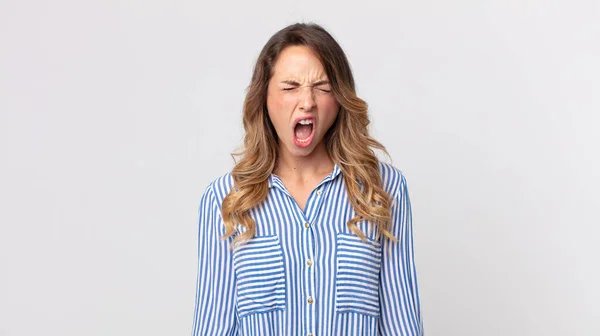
<point>219,187</point>
<point>392,178</point>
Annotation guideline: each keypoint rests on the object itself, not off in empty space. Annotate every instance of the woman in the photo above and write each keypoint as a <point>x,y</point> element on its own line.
<point>309,234</point>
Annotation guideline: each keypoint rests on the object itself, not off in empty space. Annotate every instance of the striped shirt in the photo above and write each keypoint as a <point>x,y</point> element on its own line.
<point>305,273</point>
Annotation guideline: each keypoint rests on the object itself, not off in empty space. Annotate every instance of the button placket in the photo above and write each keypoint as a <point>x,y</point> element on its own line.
<point>309,257</point>
<point>310,269</point>
<point>311,281</point>
<point>310,225</point>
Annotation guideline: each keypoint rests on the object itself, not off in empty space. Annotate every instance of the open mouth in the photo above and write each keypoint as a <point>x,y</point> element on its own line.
<point>304,131</point>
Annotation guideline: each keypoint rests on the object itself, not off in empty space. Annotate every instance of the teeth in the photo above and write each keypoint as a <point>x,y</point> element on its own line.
<point>306,122</point>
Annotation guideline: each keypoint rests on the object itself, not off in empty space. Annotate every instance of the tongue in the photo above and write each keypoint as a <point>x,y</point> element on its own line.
<point>303,131</point>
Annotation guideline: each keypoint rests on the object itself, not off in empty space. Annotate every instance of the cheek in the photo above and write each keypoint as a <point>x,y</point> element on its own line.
<point>279,100</point>
<point>278,104</point>
<point>272,104</point>
<point>275,108</point>
<point>329,107</point>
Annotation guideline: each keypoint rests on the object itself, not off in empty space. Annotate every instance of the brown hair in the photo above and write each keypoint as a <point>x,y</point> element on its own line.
<point>348,142</point>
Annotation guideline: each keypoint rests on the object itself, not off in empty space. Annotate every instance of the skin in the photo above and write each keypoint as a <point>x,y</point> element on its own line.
<point>294,91</point>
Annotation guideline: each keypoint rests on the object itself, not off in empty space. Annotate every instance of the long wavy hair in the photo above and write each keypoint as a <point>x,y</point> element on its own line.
<point>347,141</point>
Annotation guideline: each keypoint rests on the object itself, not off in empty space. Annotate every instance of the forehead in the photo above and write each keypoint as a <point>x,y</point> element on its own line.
<point>298,61</point>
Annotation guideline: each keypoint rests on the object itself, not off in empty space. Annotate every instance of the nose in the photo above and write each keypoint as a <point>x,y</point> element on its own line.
<point>307,99</point>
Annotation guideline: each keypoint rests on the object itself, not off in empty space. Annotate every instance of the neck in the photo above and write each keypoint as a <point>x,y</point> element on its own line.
<point>317,163</point>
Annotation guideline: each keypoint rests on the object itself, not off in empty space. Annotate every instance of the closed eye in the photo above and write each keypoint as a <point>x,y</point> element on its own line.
<point>292,88</point>
<point>324,88</point>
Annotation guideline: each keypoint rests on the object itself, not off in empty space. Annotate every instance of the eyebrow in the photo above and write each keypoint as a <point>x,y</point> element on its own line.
<point>292,82</point>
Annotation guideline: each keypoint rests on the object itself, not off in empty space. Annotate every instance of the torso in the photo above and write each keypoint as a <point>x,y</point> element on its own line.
<point>299,190</point>
<point>299,193</point>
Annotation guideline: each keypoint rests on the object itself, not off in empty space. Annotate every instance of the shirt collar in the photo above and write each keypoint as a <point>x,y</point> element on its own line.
<point>274,180</point>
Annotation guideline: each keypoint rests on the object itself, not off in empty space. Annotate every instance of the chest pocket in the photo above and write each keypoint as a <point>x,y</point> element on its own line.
<point>357,275</point>
<point>260,276</point>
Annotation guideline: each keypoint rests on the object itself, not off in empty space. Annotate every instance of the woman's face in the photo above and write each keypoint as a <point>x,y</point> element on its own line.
<point>300,102</point>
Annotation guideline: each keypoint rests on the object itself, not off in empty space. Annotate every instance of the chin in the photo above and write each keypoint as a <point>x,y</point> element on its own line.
<point>295,151</point>
<point>298,151</point>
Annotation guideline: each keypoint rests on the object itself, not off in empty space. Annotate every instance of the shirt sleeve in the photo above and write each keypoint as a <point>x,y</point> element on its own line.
<point>399,294</point>
<point>215,310</point>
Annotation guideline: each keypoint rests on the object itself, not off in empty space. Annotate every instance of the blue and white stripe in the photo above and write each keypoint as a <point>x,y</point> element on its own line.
<point>304,272</point>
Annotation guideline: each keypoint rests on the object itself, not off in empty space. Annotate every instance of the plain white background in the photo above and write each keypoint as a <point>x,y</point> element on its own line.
<point>115,115</point>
